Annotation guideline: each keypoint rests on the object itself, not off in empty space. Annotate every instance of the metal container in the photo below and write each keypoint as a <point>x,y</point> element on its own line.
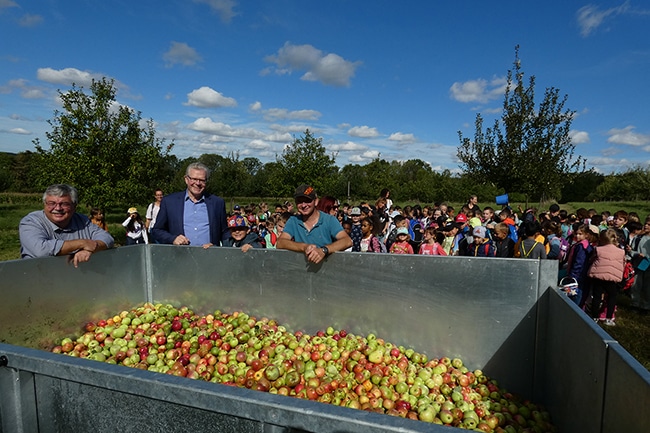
<point>504,316</point>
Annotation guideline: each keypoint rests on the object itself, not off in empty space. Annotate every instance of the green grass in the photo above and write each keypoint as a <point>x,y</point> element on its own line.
<point>631,330</point>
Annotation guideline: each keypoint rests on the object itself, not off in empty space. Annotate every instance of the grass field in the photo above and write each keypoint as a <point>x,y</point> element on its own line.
<point>632,328</point>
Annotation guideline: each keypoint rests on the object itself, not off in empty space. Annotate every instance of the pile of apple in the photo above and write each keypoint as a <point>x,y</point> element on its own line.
<point>331,367</point>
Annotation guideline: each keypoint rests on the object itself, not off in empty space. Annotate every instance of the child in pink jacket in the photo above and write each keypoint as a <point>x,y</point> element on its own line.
<point>606,272</point>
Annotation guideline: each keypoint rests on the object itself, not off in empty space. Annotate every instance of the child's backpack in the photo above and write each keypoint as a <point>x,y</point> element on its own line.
<point>563,253</point>
<point>629,275</point>
<point>564,250</point>
<point>376,246</point>
<point>512,233</point>
<point>390,239</point>
<point>416,226</point>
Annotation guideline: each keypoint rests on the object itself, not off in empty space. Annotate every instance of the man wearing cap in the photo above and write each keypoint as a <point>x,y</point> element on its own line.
<point>59,230</point>
<point>193,216</point>
<point>310,231</point>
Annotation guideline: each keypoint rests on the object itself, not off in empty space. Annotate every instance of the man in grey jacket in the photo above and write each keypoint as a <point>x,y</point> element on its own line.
<point>59,230</point>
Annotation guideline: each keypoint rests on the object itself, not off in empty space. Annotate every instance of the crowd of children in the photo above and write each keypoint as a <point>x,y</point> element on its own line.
<point>599,254</point>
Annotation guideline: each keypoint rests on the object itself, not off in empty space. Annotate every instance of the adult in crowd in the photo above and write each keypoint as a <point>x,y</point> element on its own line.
<point>385,194</point>
<point>312,232</point>
<point>153,209</point>
<point>472,203</point>
<point>641,289</point>
<point>193,216</point>
<point>59,230</point>
<point>328,204</point>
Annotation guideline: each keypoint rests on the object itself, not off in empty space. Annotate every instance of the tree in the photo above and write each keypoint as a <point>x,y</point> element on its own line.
<point>306,161</point>
<point>530,151</point>
<point>104,149</point>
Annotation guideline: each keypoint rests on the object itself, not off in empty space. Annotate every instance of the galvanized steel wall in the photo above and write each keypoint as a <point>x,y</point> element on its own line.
<point>496,314</point>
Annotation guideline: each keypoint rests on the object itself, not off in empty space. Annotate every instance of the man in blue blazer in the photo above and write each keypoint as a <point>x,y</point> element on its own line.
<point>192,217</point>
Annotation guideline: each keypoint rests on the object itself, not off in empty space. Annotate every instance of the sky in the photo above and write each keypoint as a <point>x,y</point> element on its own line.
<point>380,79</point>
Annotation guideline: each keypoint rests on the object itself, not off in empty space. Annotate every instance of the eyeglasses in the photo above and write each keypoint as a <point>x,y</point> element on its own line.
<point>195,180</point>
<point>54,204</point>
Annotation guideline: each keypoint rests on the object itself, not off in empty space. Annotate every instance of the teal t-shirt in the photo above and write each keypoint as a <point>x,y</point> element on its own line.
<point>323,233</point>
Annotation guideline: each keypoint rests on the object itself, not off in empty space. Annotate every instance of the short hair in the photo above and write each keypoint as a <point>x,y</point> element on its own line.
<point>398,219</point>
<point>198,166</point>
<point>554,207</point>
<point>633,226</point>
<point>501,228</point>
<point>621,214</point>
<point>531,228</point>
<point>283,217</point>
<point>62,190</point>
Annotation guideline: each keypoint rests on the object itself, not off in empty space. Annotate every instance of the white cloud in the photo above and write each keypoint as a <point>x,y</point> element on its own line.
<point>364,157</point>
<point>29,20</point>
<point>258,145</point>
<point>348,146</point>
<point>402,138</point>
<point>293,128</point>
<point>205,97</point>
<point>627,136</point>
<point>579,137</point>
<point>181,53</point>
<point>363,132</point>
<point>67,76</point>
<point>224,8</point>
<point>279,137</point>
<point>7,4</point>
<point>255,106</point>
<point>480,90</point>
<point>207,126</point>
<point>590,17</point>
<point>330,69</point>
<point>273,114</point>
<point>19,131</point>
<point>27,91</point>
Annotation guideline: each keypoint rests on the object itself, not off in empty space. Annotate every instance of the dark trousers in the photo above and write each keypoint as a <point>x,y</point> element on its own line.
<point>131,241</point>
<point>610,288</point>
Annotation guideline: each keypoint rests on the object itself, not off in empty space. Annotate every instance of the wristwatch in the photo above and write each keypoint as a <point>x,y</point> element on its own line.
<point>326,251</point>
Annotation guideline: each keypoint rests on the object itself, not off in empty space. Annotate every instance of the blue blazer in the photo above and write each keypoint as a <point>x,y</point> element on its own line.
<point>169,222</point>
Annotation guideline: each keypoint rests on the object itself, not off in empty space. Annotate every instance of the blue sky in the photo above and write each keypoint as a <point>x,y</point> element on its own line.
<point>395,80</point>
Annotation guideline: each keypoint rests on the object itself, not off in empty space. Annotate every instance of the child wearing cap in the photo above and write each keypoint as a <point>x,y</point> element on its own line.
<point>482,246</point>
<point>135,228</point>
<point>356,235</point>
<point>402,244</point>
<point>450,231</point>
<point>240,234</point>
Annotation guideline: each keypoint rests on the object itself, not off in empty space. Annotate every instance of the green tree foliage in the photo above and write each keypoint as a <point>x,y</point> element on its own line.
<point>530,150</point>
<point>634,185</point>
<point>305,160</point>
<point>582,186</point>
<point>104,149</point>
<point>365,181</point>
